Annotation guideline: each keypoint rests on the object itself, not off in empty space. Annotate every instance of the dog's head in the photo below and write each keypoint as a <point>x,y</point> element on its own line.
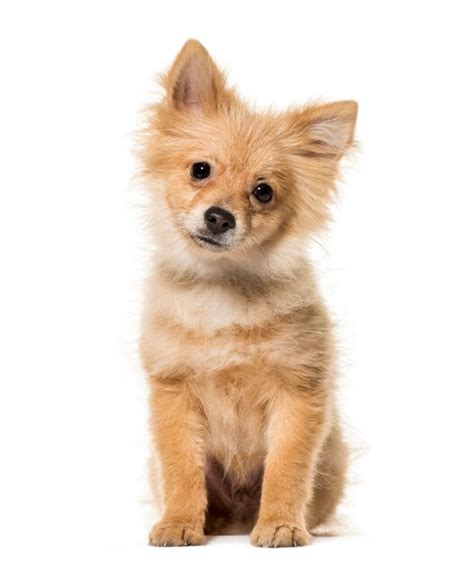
<point>229,181</point>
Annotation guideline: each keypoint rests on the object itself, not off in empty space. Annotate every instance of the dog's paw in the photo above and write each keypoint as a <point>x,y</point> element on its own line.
<point>274,535</point>
<point>175,534</point>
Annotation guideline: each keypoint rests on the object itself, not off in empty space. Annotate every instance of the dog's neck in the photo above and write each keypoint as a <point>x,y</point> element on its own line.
<point>255,269</point>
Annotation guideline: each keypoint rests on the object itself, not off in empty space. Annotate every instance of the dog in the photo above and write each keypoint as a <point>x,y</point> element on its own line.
<point>236,342</point>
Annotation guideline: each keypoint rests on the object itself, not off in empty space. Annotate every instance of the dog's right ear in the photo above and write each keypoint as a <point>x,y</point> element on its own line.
<point>194,82</point>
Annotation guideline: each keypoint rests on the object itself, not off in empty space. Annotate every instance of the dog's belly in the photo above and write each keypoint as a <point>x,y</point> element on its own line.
<point>232,506</point>
<point>236,422</point>
<point>236,448</point>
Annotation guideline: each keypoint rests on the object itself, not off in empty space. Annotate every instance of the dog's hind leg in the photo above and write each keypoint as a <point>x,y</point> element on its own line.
<point>330,480</point>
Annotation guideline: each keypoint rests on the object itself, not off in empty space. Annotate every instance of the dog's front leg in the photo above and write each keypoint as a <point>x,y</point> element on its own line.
<point>177,431</point>
<point>297,428</point>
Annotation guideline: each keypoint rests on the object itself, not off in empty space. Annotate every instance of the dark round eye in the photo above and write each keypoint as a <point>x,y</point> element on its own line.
<point>200,171</point>
<point>263,193</point>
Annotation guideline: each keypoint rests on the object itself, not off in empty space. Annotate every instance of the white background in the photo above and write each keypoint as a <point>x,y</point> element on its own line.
<point>397,268</point>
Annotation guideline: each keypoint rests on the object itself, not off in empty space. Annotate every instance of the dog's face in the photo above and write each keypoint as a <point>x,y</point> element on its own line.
<point>230,181</point>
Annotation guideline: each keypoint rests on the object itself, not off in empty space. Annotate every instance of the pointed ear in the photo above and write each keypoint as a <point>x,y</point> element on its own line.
<point>327,130</point>
<point>194,82</point>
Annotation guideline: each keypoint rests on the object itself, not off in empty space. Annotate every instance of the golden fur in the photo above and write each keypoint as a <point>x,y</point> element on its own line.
<point>236,341</point>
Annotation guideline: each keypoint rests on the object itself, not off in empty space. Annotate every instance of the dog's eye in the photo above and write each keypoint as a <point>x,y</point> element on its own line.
<point>263,193</point>
<point>200,171</point>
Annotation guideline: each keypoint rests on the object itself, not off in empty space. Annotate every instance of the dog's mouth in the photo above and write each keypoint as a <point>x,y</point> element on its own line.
<point>209,243</point>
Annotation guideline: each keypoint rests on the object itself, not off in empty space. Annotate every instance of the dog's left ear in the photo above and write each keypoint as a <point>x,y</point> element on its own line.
<point>324,131</point>
<point>194,82</point>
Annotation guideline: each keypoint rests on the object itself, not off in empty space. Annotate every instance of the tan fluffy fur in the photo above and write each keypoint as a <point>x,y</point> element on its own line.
<point>237,343</point>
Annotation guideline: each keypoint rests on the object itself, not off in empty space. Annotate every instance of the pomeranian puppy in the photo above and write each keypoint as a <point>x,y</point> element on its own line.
<point>236,341</point>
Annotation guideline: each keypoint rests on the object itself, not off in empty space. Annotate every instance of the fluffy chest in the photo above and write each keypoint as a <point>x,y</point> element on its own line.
<point>207,330</point>
<point>199,332</point>
<point>211,309</point>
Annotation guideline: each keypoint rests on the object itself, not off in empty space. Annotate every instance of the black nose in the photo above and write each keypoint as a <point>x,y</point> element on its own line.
<point>218,220</point>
